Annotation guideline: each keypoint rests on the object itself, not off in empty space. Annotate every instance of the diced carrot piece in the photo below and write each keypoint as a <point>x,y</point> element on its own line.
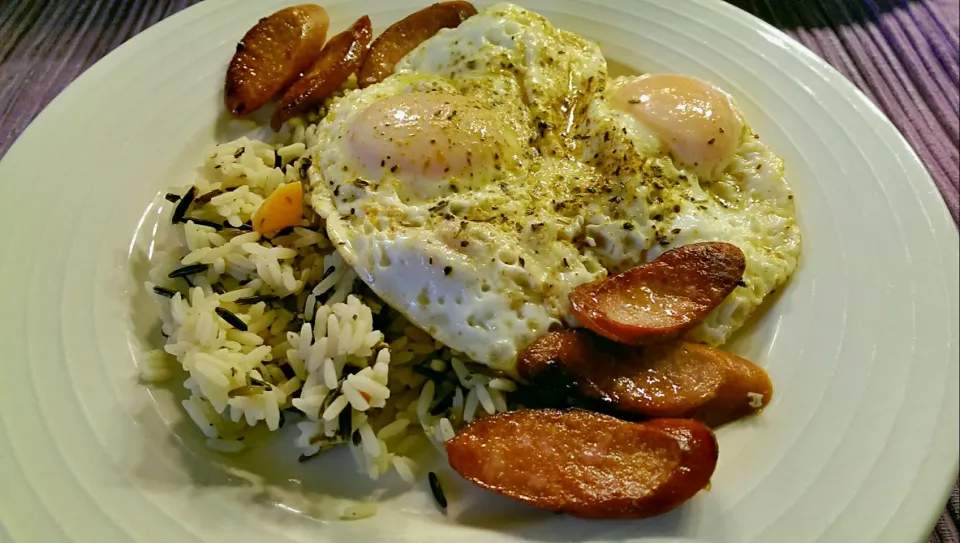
<point>283,208</point>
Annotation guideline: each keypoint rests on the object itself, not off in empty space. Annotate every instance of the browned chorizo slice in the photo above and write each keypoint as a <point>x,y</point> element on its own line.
<point>405,35</point>
<point>340,57</point>
<point>677,379</point>
<point>586,464</point>
<point>661,299</point>
<point>272,55</point>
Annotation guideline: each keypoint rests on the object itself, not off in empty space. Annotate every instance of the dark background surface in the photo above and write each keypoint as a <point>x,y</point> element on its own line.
<point>903,54</point>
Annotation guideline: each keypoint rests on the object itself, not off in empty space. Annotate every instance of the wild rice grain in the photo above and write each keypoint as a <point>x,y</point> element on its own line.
<point>345,422</point>
<point>192,269</point>
<point>207,196</point>
<point>171,197</point>
<point>165,292</point>
<point>250,300</point>
<point>437,490</point>
<point>443,404</point>
<point>305,164</point>
<point>231,319</point>
<point>183,206</point>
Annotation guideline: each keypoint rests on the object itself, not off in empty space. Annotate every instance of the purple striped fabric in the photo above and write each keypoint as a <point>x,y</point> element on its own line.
<point>904,54</point>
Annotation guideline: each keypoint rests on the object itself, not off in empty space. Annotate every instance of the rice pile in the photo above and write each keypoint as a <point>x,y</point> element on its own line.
<point>275,329</point>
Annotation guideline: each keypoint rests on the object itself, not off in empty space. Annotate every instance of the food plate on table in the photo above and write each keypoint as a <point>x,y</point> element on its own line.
<point>492,271</point>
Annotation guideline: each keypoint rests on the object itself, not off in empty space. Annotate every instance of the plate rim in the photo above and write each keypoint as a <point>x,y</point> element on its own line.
<point>150,35</point>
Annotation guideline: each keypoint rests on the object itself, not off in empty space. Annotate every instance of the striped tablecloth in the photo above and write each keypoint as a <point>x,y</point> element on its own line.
<point>902,53</point>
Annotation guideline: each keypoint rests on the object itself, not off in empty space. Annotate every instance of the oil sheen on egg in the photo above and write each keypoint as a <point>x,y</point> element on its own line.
<point>498,169</point>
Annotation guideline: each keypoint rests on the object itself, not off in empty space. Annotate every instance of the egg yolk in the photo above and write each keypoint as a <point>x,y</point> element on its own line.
<point>434,143</point>
<point>698,123</point>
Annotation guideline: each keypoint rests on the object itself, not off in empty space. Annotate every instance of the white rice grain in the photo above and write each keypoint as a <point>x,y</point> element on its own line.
<point>309,307</point>
<point>229,446</point>
<point>425,400</point>
<point>408,443</point>
<point>359,511</point>
<point>306,341</point>
<point>335,407</point>
<point>393,429</point>
<point>500,383</point>
<point>192,407</point>
<point>463,375</point>
<point>357,401</point>
<point>371,445</point>
<point>404,469</point>
<point>369,386</point>
<point>195,256</point>
<point>289,152</point>
<point>381,373</point>
<point>445,432</point>
<point>271,411</point>
<point>249,237</point>
<point>499,402</point>
<point>330,376</point>
<point>333,334</point>
<point>457,404</point>
<point>470,405</point>
<point>483,395</point>
<point>244,338</point>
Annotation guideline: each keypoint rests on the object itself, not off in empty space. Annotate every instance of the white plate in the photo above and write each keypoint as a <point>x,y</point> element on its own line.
<point>860,443</point>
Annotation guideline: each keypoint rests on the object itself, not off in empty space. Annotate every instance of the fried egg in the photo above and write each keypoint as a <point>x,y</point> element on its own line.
<point>498,169</point>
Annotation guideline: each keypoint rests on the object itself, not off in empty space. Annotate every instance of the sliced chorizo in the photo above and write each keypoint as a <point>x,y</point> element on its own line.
<point>340,57</point>
<point>272,55</point>
<point>586,464</point>
<point>662,299</point>
<point>405,35</point>
<point>676,379</point>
